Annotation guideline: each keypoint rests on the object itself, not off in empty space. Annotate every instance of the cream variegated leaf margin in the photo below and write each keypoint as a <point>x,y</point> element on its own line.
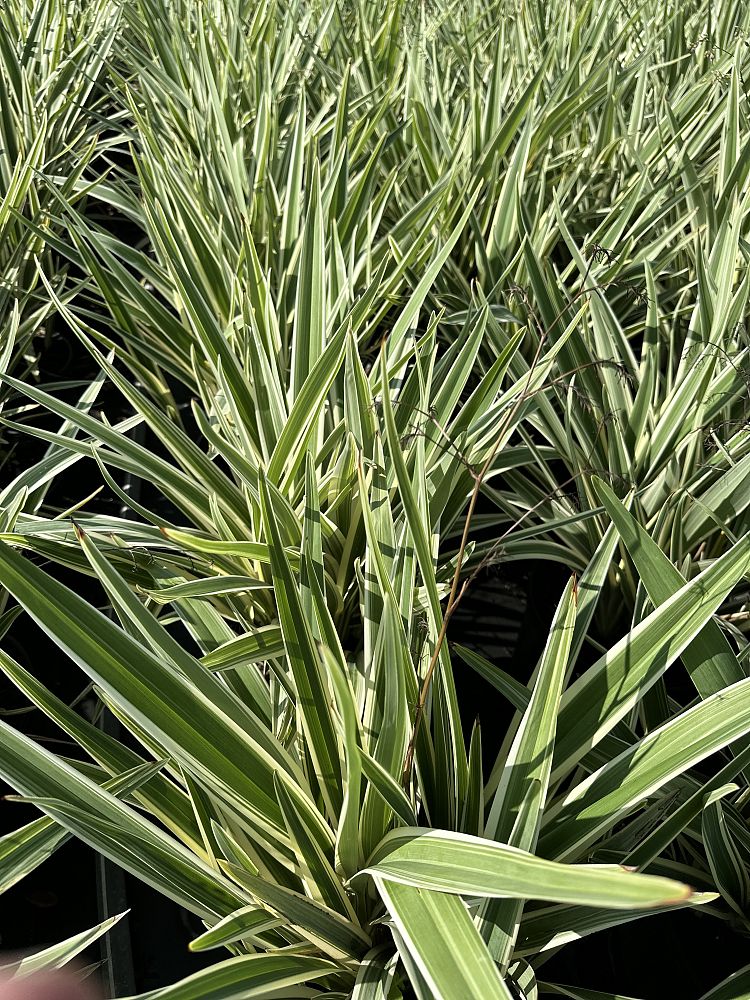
<point>369,249</point>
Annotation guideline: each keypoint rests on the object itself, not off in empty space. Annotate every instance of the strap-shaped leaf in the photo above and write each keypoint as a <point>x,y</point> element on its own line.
<point>248,922</point>
<point>443,943</point>
<point>457,863</point>
<point>110,826</point>
<point>195,718</point>
<point>594,805</point>
<point>245,977</point>
<point>313,694</point>
<point>254,647</point>
<point>160,796</point>
<point>602,696</point>
<point>709,658</point>
<point>25,849</point>
<point>673,825</point>
<point>375,975</point>
<point>327,929</point>
<point>515,815</point>
<point>208,587</point>
<point>308,340</point>
<point>734,987</point>
<point>725,859</point>
<point>318,875</point>
<point>58,955</point>
<point>289,452</point>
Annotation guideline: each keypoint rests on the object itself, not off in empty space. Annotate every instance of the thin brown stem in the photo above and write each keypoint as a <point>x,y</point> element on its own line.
<point>454,597</point>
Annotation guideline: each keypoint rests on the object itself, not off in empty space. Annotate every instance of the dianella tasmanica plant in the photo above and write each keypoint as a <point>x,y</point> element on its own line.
<point>53,98</point>
<point>330,353</point>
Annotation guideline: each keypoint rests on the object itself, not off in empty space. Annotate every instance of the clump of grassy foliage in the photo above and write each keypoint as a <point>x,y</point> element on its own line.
<point>393,292</point>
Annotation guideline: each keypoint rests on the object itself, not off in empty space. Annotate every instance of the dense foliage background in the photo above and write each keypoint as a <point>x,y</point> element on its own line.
<point>317,320</point>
